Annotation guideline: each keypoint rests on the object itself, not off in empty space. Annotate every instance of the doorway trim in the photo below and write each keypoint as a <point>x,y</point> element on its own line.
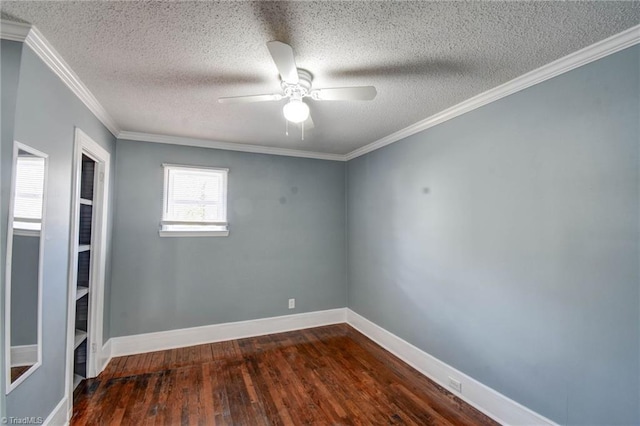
<point>83,144</point>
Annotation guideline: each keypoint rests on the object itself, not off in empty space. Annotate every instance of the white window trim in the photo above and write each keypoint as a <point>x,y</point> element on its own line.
<point>26,232</point>
<point>20,229</point>
<point>165,206</point>
<point>166,233</point>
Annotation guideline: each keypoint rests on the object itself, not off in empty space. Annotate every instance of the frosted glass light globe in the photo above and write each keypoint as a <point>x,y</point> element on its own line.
<point>296,111</point>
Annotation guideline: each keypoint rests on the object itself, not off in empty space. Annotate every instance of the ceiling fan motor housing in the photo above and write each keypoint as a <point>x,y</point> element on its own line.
<point>296,85</point>
<point>301,89</point>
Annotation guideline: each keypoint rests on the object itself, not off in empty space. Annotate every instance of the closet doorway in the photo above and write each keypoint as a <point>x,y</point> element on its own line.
<point>87,262</point>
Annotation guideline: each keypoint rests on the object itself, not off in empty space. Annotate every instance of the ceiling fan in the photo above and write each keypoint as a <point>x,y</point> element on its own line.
<point>297,84</point>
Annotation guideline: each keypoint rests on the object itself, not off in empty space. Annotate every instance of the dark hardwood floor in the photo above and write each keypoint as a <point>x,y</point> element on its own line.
<point>329,375</point>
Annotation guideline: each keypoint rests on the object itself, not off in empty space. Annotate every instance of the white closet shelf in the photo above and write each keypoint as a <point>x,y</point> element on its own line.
<point>79,338</point>
<point>86,202</point>
<point>81,292</point>
<point>84,247</point>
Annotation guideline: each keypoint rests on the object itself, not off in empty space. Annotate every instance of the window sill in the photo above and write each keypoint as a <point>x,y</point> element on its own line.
<point>26,232</point>
<point>164,233</point>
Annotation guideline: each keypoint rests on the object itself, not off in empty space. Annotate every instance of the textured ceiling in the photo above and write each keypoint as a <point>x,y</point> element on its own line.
<point>159,67</point>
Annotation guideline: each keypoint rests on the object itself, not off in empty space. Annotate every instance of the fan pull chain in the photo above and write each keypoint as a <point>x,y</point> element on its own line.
<point>286,127</point>
<point>303,130</point>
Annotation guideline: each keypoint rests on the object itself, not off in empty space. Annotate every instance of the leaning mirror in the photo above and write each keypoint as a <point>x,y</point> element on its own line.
<point>25,243</point>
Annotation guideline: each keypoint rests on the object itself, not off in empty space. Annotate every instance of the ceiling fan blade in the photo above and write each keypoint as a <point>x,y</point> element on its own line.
<point>282,55</point>
<point>361,93</point>
<point>247,99</point>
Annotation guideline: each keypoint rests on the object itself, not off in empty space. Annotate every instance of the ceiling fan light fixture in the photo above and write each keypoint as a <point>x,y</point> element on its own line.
<point>296,84</point>
<point>296,111</point>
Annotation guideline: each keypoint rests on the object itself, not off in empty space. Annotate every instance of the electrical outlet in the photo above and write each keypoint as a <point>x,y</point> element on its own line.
<point>292,303</point>
<point>455,384</point>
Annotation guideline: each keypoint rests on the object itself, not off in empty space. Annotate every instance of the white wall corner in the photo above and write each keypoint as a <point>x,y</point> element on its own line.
<point>150,342</point>
<point>483,398</point>
<point>60,415</point>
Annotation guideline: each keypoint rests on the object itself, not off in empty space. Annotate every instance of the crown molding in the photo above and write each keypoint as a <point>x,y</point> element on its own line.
<point>567,63</point>
<point>36,41</point>
<point>14,31</point>
<point>29,35</point>
<point>228,146</point>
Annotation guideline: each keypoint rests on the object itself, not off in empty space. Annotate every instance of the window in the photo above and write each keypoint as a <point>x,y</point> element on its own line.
<point>29,191</point>
<point>195,201</point>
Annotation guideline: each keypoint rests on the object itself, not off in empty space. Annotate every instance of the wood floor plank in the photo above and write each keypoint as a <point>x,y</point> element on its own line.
<point>268,394</point>
<point>329,375</point>
<point>163,409</point>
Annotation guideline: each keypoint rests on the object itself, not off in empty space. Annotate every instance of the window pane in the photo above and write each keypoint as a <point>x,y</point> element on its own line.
<point>29,187</point>
<point>193,211</point>
<point>195,186</point>
<point>195,195</point>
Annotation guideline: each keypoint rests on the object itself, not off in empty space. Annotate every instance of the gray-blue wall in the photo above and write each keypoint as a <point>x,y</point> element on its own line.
<point>10,56</point>
<point>46,113</point>
<point>287,240</point>
<point>505,243</point>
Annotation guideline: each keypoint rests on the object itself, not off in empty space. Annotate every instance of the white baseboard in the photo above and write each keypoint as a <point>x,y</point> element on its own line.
<point>483,398</point>
<point>59,416</point>
<point>105,356</point>
<point>150,342</point>
<point>24,355</point>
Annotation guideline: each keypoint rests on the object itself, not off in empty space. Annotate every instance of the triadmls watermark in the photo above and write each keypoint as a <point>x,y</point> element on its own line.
<point>22,420</point>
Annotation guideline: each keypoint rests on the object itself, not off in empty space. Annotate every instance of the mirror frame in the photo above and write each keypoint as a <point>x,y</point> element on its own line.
<point>17,146</point>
